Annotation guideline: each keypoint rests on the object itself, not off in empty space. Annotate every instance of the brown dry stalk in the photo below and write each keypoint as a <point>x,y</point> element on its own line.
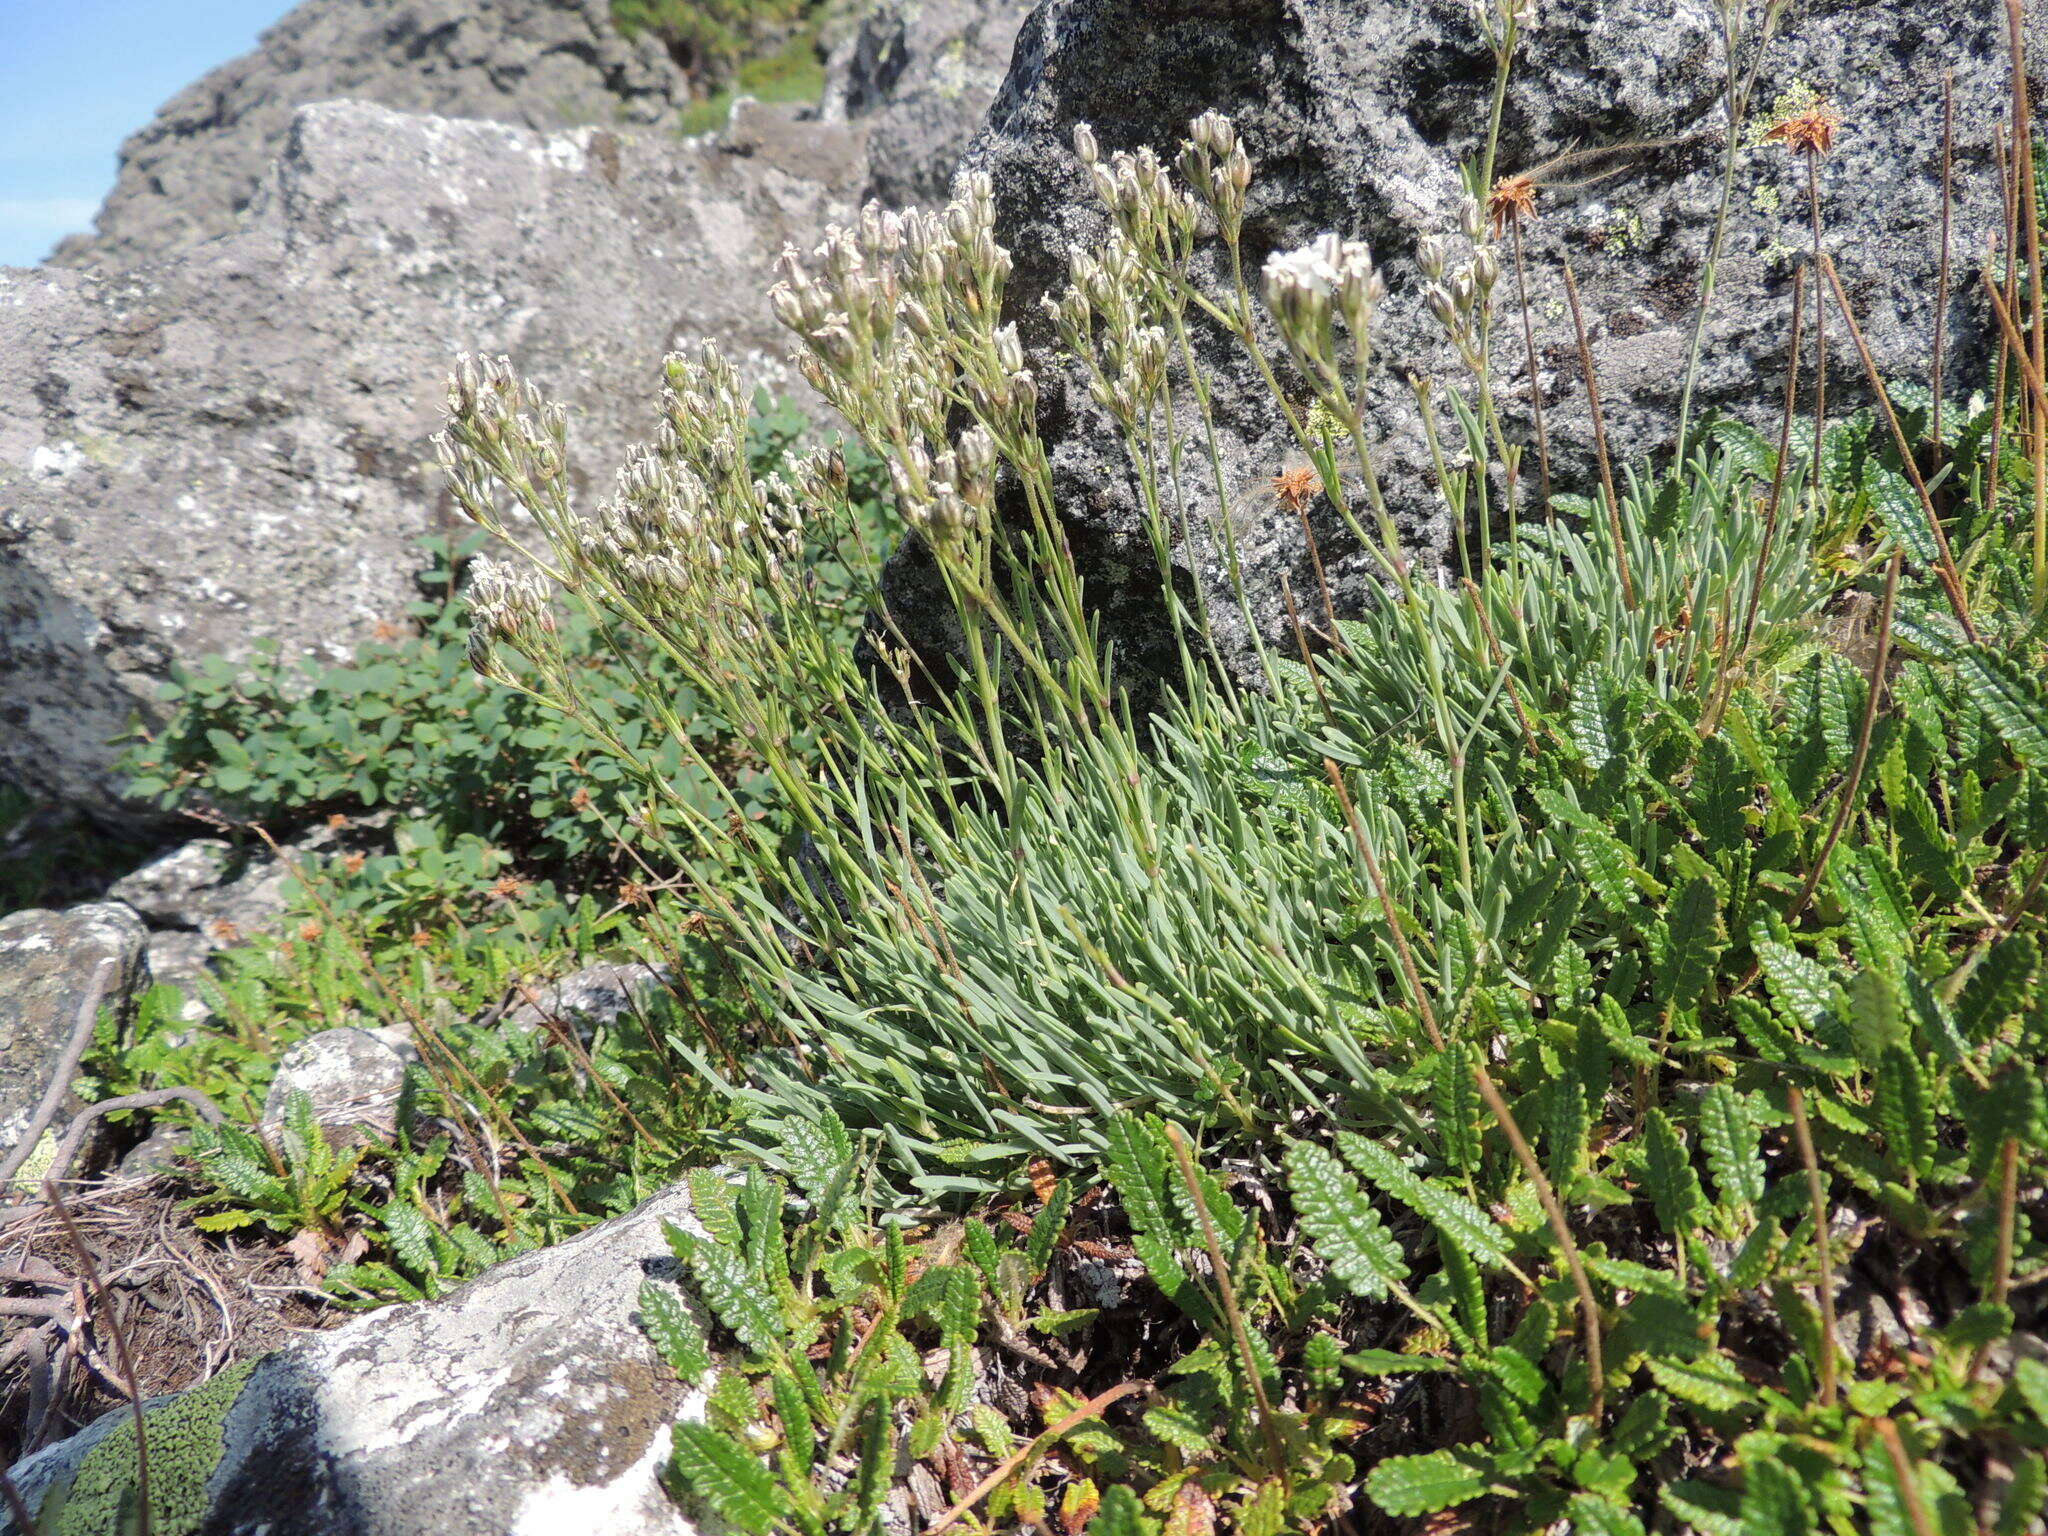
<point>2030,224</point>
<point>1553,1208</point>
<point>1820,326</point>
<point>1628,587</point>
<point>1786,413</point>
<point>1226,1289</point>
<point>1816,1193</point>
<point>1017,1458</point>
<point>2009,332</point>
<point>1379,885</point>
<point>1535,381</point>
<point>1845,806</point>
<point>2008,1211</point>
<point>145,1518</point>
<point>1909,1481</point>
<point>1945,561</point>
<point>67,1068</point>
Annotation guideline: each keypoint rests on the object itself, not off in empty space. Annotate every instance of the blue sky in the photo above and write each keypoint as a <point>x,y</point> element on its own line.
<point>79,76</point>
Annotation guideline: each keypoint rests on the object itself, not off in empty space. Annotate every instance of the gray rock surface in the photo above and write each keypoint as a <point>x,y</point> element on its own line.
<point>527,1403</point>
<point>232,445</point>
<point>1357,114</point>
<point>351,1077</point>
<point>167,892</point>
<point>922,73</point>
<point>592,997</point>
<point>48,962</point>
<point>192,172</point>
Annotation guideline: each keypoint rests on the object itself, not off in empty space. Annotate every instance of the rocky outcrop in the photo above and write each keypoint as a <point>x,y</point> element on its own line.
<point>232,446</point>
<point>50,969</point>
<point>921,73</point>
<point>192,173</point>
<point>527,1403</point>
<point>1358,113</point>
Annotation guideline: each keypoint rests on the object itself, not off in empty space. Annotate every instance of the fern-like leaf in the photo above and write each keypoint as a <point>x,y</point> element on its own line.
<point>1341,1222</point>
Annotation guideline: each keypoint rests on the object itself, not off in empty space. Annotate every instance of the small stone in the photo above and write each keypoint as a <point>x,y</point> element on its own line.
<point>352,1077</point>
<point>591,998</point>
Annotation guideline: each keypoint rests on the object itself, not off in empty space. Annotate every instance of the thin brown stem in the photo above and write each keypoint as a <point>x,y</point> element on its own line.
<point>1945,561</point>
<point>1226,1290</point>
<point>1816,1193</point>
<point>2008,185</point>
<point>1546,1193</point>
<point>2008,1215</point>
<point>1628,588</point>
<point>1845,806</point>
<point>1909,1480</point>
<point>145,1516</point>
<point>2030,225</point>
<point>1785,415</point>
<point>82,1026</point>
<point>1535,380</point>
<point>1820,328</point>
<point>1386,899</point>
<point>1024,1453</point>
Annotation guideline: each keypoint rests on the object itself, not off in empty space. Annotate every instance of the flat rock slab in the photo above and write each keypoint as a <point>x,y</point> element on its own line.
<point>527,1403</point>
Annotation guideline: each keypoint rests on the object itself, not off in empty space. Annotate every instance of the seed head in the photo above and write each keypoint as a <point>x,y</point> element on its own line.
<point>1512,198</point>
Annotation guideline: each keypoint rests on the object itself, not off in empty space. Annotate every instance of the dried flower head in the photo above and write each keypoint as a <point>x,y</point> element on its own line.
<point>1512,198</point>
<point>1808,130</point>
<point>1296,486</point>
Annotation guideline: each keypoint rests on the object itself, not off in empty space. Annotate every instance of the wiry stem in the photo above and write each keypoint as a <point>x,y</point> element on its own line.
<point>1816,1193</point>
<point>1628,587</point>
<point>1589,1305</point>
<point>1945,561</point>
<point>145,1516</point>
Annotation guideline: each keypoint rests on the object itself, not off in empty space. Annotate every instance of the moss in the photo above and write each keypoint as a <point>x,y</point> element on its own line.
<point>185,1438</point>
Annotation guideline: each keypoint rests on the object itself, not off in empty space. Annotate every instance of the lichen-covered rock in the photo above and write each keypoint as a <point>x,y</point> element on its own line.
<point>1358,113</point>
<point>351,1077</point>
<point>921,73</point>
<point>233,446</point>
<point>191,173</point>
<point>527,1403</point>
<point>48,964</point>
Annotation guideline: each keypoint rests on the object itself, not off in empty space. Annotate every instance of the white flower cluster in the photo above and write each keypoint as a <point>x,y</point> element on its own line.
<point>899,315</point>
<point>1327,278</point>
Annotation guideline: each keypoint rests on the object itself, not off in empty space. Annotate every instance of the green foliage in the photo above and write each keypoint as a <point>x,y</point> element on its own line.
<point>842,1370</point>
<point>406,726</point>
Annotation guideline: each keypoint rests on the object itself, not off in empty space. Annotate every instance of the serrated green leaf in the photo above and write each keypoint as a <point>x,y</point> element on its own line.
<point>2010,699</point>
<point>1728,1136</point>
<point>728,1477</point>
<point>1341,1222</point>
<point>1423,1485</point>
<point>1709,1382</point>
<point>674,1331</point>
<point>1905,1111</point>
<point>1457,1220</point>
<point>1668,1177</point>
